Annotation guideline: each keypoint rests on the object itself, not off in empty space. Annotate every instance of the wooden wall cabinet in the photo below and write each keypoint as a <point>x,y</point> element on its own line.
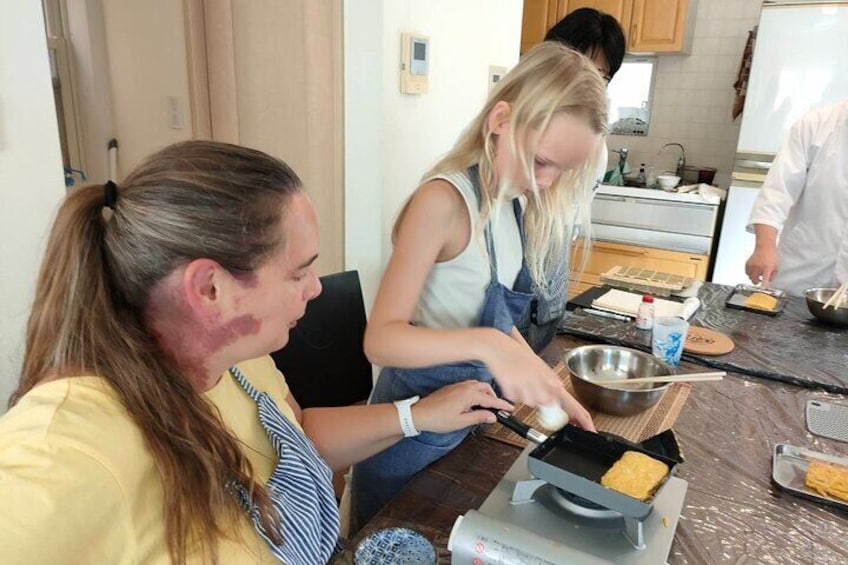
<point>657,26</point>
<point>606,255</point>
<point>539,17</point>
<point>650,26</point>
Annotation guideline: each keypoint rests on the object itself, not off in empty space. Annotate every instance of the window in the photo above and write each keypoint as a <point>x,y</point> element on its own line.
<point>629,96</point>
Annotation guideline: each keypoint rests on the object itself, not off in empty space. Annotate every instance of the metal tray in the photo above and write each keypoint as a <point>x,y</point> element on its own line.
<point>741,292</point>
<point>789,466</point>
<point>575,460</point>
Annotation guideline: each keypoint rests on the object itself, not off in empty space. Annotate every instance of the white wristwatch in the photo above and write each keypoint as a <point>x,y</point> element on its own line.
<point>404,408</point>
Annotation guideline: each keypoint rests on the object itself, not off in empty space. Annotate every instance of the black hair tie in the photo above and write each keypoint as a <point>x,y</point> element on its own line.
<point>110,194</point>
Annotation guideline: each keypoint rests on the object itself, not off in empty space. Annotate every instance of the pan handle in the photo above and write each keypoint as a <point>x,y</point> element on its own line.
<point>514,424</point>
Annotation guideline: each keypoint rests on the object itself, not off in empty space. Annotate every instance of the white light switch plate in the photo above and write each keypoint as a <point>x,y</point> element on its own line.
<point>496,73</point>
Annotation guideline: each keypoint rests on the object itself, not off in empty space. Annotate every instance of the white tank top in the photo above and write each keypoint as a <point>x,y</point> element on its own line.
<point>454,291</point>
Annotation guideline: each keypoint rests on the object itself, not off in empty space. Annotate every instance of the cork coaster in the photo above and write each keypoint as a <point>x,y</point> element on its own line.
<point>704,341</point>
<point>655,420</point>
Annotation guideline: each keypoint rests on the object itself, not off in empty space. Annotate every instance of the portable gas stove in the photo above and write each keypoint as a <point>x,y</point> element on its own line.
<point>529,520</point>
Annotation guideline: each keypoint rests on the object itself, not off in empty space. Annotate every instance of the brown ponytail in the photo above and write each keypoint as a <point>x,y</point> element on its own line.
<point>190,200</point>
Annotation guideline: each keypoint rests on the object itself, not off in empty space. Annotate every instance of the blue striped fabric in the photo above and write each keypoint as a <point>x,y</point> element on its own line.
<point>300,486</point>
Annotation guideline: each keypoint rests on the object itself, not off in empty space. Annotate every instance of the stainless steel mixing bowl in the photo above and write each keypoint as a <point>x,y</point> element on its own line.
<point>816,298</point>
<point>591,365</point>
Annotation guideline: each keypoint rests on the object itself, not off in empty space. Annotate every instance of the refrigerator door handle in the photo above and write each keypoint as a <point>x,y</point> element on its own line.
<point>762,165</point>
<point>756,178</point>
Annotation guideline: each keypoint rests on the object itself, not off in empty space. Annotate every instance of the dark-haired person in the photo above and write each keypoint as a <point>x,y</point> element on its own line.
<point>597,35</point>
<point>150,425</point>
<point>600,37</point>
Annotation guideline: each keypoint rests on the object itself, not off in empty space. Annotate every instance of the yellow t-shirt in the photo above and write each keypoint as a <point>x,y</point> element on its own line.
<point>78,485</point>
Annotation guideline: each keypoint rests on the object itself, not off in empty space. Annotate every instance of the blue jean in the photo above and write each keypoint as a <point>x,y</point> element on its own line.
<point>378,479</point>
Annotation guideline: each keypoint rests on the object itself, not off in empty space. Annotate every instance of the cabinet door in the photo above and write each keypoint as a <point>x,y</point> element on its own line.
<point>605,255</point>
<point>539,16</point>
<point>619,9</point>
<point>686,264</point>
<point>657,26</point>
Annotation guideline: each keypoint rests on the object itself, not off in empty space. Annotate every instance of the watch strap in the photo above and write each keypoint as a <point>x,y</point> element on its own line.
<point>404,408</point>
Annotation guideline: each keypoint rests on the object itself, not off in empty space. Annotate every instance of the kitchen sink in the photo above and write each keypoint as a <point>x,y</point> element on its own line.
<point>635,183</point>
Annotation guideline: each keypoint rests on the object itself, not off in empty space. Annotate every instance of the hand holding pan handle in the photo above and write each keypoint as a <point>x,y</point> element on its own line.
<point>516,425</point>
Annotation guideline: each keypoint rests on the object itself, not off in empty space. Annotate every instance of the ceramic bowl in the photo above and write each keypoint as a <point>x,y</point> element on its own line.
<point>395,546</point>
<point>590,365</point>
<point>668,182</point>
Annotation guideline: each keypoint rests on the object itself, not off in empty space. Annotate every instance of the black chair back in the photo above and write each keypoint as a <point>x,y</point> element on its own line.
<point>323,362</point>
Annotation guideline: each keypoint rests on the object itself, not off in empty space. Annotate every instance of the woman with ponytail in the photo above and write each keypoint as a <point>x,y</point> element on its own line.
<point>150,425</point>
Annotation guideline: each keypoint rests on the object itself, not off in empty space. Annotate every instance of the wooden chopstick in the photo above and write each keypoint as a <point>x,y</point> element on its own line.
<point>835,300</point>
<point>691,377</point>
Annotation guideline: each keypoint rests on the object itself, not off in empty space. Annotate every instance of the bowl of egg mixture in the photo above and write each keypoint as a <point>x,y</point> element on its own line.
<point>591,365</point>
<point>836,314</point>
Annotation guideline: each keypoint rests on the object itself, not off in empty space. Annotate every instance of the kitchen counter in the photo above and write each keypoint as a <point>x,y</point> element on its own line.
<point>793,346</point>
<point>732,513</point>
<point>705,196</point>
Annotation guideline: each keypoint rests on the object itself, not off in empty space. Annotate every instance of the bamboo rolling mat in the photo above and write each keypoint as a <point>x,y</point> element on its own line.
<point>655,420</point>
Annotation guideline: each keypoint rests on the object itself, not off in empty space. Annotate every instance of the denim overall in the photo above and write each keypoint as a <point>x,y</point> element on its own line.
<point>539,324</point>
<point>377,480</point>
<point>300,488</point>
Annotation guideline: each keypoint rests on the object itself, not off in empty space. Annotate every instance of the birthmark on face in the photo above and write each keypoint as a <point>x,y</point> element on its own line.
<point>233,330</point>
<point>247,279</point>
<point>196,351</point>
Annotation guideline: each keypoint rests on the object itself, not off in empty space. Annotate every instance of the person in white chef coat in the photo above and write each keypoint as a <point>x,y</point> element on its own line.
<point>805,200</point>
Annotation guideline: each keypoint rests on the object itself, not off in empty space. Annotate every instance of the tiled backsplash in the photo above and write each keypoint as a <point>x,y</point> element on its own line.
<point>693,95</point>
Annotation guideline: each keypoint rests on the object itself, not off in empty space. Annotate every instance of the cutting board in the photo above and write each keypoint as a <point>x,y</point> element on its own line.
<point>704,341</point>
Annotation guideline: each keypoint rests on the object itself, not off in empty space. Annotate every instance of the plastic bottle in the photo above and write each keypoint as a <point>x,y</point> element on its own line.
<point>645,314</point>
<point>651,177</point>
<point>641,178</point>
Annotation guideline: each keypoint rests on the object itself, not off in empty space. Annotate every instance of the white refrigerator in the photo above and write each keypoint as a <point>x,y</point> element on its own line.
<point>800,61</point>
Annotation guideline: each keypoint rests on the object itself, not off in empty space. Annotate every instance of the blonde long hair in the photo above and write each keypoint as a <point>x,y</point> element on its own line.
<point>193,199</point>
<point>549,79</point>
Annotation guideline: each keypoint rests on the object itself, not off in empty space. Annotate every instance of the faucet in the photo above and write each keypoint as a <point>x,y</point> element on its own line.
<point>681,162</point>
<point>622,157</point>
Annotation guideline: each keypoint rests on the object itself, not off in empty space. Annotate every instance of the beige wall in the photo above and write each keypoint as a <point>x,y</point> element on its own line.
<point>281,62</point>
<point>128,60</point>
<point>289,99</point>
<point>693,94</point>
<point>147,66</point>
<point>90,62</point>
<point>384,165</point>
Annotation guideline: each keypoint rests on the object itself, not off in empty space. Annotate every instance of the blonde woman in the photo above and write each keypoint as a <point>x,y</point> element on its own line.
<point>150,425</point>
<point>484,237</point>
